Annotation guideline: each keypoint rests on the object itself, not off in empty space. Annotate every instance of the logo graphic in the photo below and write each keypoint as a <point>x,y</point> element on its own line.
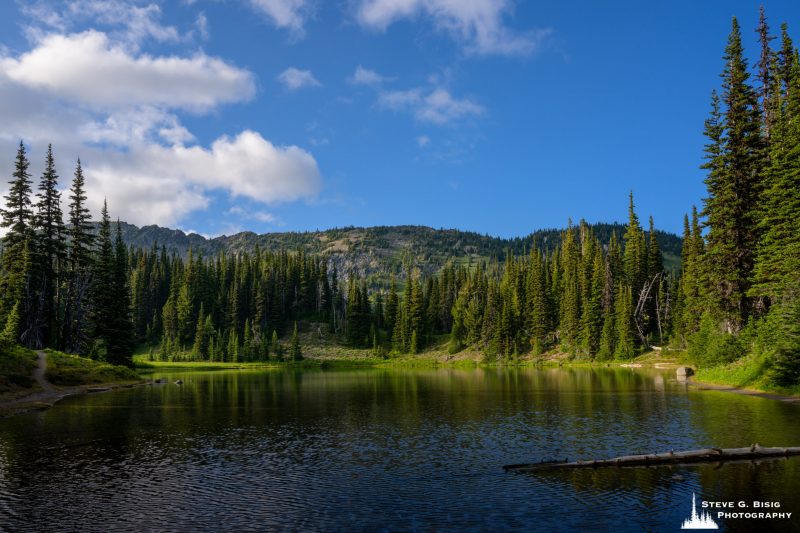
<point>698,521</point>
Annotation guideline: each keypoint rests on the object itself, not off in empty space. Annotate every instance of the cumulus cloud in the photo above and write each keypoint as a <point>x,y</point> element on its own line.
<point>287,14</point>
<point>293,78</point>
<point>365,76</point>
<point>132,22</point>
<point>87,68</point>
<point>147,183</point>
<point>476,23</point>
<point>437,106</point>
<point>119,111</point>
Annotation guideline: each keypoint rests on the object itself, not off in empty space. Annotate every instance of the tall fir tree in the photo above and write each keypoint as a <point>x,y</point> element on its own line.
<point>79,269</point>
<point>735,156</point>
<point>18,244</point>
<point>50,230</point>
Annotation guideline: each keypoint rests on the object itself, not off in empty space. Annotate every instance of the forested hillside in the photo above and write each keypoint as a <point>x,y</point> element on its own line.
<point>377,252</point>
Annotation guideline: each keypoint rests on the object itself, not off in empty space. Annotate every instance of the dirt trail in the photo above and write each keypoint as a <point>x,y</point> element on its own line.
<point>39,373</point>
<point>48,394</point>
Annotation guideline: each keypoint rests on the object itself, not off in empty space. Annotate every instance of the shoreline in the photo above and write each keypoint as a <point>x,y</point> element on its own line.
<point>41,399</point>
<point>757,393</point>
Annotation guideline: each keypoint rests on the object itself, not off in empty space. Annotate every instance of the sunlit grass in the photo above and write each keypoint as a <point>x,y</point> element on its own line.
<point>68,370</point>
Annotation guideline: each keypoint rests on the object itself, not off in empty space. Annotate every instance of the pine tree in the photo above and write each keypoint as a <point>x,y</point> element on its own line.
<point>624,322</point>
<point>734,161</point>
<point>49,226</point>
<point>103,289</point>
<point>592,319</point>
<point>200,346</point>
<point>416,316</point>
<point>296,351</point>
<point>786,61</point>
<point>392,304</point>
<point>17,242</point>
<point>765,72</point>
<point>233,346</point>
<point>778,252</point>
<point>81,241</point>
<point>10,333</point>
<point>635,258</point>
<point>277,349</point>
<point>570,301</point>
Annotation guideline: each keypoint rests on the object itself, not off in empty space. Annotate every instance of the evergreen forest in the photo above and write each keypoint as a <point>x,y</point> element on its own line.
<point>73,284</point>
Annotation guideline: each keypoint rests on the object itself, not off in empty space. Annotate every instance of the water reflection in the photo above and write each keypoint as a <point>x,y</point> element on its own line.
<point>391,449</point>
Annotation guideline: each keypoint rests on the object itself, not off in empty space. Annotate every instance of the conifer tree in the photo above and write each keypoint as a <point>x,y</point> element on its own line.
<point>778,253</point>
<point>10,332</point>
<point>570,312</point>
<point>765,72</point>
<point>392,303</point>
<point>17,242</point>
<point>734,161</point>
<point>635,258</point>
<point>624,348</point>
<point>277,349</point>
<point>103,290</point>
<point>49,226</point>
<point>296,351</point>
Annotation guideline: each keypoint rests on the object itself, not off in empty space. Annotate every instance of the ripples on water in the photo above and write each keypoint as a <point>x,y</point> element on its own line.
<point>384,450</point>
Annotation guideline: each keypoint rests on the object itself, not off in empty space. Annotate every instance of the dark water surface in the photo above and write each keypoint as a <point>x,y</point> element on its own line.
<point>389,450</point>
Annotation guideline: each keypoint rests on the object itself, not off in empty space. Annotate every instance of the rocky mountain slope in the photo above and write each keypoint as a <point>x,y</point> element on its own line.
<point>381,250</point>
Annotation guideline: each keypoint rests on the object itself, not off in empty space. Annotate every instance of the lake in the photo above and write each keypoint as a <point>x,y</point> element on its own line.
<point>388,449</point>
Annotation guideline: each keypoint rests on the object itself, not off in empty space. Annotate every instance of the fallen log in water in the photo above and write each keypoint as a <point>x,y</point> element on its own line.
<point>708,455</point>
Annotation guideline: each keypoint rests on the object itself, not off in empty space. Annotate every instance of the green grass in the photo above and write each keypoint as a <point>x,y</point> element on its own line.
<point>68,370</point>
<point>16,368</point>
<point>749,372</point>
<point>144,365</point>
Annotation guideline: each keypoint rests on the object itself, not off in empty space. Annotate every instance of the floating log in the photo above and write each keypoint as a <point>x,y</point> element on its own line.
<point>707,455</point>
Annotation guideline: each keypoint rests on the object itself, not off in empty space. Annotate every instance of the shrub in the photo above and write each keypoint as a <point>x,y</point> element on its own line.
<point>710,346</point>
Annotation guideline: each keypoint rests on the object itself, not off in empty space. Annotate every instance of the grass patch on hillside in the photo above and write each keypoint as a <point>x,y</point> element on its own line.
<point>749,372</point>
<point>664,355</point>
<point>16,369</point>
<point>68,370</point>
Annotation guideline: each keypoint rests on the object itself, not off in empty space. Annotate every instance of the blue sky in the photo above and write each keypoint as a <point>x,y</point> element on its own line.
<point>495,116</point>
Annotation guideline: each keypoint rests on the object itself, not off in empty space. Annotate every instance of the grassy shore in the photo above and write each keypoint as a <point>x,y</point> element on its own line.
<point>16,370</point>
<point>751,372</point>
<point>66,370</point>
<point>327,353</point>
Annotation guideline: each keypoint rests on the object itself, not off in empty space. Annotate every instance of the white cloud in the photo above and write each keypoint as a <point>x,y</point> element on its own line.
<point>201,23</point>
<point>136,125</point>
<point>288,14</point>
<point>261,216</point>
<point>88,69</point>
<point>365,76</point>
<point>118,111</point>
<point>477,23</point>
<point>423,141</point>
<point>437,106</point>
<point>153,183</point>
<point>294,78</point>
<point>133,22</point>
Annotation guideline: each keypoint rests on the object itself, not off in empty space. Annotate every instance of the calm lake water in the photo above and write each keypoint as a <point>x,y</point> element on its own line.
<point>392,450</point>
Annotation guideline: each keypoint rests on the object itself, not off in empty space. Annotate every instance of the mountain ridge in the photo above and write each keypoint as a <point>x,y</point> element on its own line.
<point>380,250</point>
